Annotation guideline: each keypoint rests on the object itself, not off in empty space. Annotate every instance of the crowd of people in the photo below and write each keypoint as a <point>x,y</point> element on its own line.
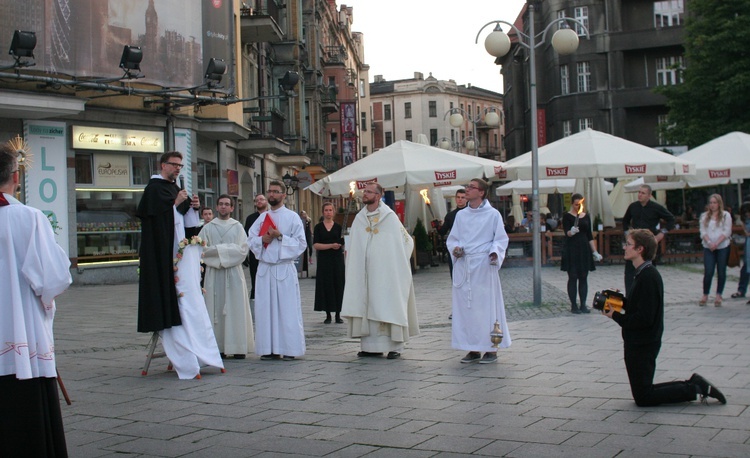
<point>370,288</point>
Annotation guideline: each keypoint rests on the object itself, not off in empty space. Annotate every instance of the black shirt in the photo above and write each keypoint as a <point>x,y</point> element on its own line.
<point>638,216</point>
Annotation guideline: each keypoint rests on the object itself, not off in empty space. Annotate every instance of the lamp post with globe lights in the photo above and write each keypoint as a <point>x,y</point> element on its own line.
<point>564,41</point>
<point>456,119</point>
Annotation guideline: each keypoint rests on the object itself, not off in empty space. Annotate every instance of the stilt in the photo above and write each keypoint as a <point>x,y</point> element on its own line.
<point>151,355</point>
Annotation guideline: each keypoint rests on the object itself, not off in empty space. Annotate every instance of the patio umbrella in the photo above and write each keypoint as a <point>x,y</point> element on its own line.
<point>407,163</point>
<point>726,157</point>
<point>597,200</point>
<point>562,186</point>
<point>593,154</point>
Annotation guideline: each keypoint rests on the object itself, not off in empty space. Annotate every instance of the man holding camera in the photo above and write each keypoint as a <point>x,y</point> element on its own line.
<point>642,328</point>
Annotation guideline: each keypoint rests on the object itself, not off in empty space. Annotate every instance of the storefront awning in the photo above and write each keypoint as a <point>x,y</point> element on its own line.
<point>34,106</point>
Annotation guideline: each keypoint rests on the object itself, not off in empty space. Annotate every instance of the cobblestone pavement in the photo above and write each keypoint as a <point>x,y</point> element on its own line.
<point>560,389</point>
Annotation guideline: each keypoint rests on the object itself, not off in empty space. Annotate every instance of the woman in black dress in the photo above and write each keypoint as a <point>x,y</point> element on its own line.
<point>328,240</point>
<point>579,253</point>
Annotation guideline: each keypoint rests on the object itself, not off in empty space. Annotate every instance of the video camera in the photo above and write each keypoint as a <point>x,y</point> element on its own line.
<point>609,299</point>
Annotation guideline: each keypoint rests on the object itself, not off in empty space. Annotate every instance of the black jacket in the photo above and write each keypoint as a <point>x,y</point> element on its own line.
<point>643,321</point>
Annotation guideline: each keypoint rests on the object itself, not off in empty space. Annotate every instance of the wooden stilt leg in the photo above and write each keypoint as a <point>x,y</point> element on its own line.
<point>150,355</point>
<point>62,388</point>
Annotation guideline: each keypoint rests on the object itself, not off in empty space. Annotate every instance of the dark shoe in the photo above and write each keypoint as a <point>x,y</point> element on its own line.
<point>368,354</point>
<point>450,317</point>
<point>287,358</point>
<point>471,357</point>
<point>575,310</point>
<point>707,389</point>
<point>239,356</point>
<point>488,358</point>
<point>737,295</point>
<point>327,321</point>
<point>270,357</point>
<point>393,355</point>
<point>223,356</point>
<point>585,309</point>
<point>339,320</point>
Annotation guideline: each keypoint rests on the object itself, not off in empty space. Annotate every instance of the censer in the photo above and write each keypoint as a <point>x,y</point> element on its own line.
<point>496,336</point>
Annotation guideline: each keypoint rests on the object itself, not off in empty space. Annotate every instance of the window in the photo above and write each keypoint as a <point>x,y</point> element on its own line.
<point>363,121</point>
<point>142,167</point>
<point>567,128</point>
<point>564,80</point>
<point>582,15</point>
<point>669,70</point>
<point>361,88</point>
<point>387,112</point>
<point>433,136</point>
<point>585,123</point>
<point>668,13</point>
<point>84,169</point>
<point>408,135</point>
<point>584,76</point>
<point>334,143</point>
<point>208,177</point>
<point>388,138</point>
<point>407,110</point>
<point>433,109</point>
<point>561,24</point>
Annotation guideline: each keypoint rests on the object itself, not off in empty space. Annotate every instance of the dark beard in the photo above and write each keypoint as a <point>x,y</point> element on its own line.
<point>273,201</point>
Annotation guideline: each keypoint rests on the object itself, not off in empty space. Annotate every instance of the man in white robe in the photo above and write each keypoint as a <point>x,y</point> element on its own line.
<point>35,271</point>
<point>226,290</point>
<point>277,238</point>
<point>379,293</point>
<point>477,244</point>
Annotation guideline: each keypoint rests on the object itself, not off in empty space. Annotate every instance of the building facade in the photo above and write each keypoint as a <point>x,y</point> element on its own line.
<point>404,109</point>
<point>609,83</point>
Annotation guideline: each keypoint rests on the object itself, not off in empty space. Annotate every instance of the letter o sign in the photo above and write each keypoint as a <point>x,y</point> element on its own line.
<point>48,190</point>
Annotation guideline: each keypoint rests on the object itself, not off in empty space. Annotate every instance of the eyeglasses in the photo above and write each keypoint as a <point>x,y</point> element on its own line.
<point>627,244</point>
<point>471,187</point>
<point>273,191</point>
<point>369,192</point>
<point>174,164</point>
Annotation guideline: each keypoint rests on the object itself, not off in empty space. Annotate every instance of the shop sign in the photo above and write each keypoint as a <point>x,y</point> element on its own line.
<point>233,182</point>
<point>100,138</point>
<point>112,170</point>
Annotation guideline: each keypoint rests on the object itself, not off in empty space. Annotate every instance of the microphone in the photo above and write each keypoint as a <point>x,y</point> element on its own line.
<point>182,182</point>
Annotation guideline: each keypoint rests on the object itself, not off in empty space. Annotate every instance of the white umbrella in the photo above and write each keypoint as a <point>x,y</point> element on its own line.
<point>592,154</point>
<point>597,200</point>
<point>405,163</point>
<point>726,157</point>
<point>562,186</point>
<point>620,199</point>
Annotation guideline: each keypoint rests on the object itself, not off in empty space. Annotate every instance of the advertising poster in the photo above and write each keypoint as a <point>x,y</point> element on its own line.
<point>47,178</point>
<point>348,132</point>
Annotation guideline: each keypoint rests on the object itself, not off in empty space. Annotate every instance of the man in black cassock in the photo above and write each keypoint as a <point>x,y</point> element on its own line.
<point>157,295</point>
<point>261,205</point>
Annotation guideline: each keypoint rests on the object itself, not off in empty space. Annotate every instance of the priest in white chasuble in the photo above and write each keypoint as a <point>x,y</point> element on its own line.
<point>379,294</point>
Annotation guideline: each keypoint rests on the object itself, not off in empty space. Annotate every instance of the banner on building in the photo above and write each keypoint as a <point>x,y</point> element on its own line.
<point>47,179</point>
<point>348,132</point>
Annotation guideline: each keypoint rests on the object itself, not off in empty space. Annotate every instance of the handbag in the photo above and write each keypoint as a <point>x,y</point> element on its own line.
<point>734,255</point>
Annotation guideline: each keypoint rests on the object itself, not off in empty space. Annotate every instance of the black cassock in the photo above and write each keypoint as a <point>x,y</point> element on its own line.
<point>157,295</point>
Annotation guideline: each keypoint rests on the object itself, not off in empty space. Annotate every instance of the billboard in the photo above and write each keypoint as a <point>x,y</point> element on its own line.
<point>85,38</point>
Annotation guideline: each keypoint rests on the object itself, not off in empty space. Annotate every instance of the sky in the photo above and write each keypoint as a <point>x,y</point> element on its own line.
<point>431,36</point>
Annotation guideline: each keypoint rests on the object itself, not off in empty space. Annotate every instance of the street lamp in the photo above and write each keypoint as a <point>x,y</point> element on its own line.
<point>291,183</point>
<point>456,119</point>
<point>446,143</point>
<point>564,41</point>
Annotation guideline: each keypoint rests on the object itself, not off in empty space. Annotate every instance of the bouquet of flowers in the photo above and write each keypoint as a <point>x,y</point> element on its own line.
<point>184,243</point>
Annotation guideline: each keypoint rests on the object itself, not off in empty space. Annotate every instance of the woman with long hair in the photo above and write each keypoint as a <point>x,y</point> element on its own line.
<point>716,233</point>
<point>579,253</point>
<point>328,241</point>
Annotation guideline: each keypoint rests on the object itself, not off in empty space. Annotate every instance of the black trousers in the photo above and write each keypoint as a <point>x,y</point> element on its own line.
<point>640,362</point>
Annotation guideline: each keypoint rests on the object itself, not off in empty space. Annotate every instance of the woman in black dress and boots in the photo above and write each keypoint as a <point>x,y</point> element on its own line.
<point>579,253</point>
<point>328,240</point>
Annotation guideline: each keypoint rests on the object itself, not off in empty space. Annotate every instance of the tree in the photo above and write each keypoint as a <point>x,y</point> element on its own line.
<point>715,94</point>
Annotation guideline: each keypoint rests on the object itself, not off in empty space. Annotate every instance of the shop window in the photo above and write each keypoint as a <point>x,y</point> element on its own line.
<point>84,169</point>
<point>143,168</point>
<point>208,183</point>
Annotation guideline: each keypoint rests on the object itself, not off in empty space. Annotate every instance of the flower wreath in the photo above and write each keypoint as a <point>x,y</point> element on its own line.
<point>184,243</point>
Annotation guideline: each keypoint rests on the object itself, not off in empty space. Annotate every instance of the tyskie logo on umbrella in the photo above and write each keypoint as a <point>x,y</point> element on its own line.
<point>557,171</point>
<point>635,169</point>
<point>361,184</point>
<point>719,173</point>
<point>444,176</point>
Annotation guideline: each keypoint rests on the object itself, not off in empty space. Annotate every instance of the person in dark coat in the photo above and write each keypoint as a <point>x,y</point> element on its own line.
<point>261,205</point>
<point>642,326</point>
<point>157,295</point>
<point>445,229</point>
<point>579,253</point>
<point>328,241</point>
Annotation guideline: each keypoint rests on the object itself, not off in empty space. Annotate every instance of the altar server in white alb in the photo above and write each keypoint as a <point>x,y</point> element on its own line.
<point>35,271</point>
<point>227,298</point>
<point>477,243</point>
<point>277,238</point>
<point>379,293</point>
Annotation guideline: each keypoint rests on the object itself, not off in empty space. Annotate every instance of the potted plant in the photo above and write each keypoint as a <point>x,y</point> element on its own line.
<point>422,245</point>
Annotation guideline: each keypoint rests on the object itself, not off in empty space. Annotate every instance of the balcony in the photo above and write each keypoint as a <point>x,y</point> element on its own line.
<point>328,100</point>
<point>334,56</point>
<point>331,162</point>
<point>260,23</point>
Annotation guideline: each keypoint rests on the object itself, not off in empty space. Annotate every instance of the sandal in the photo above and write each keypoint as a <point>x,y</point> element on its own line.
<point>717,301</point>
<point>737,295</point>
<point>703,301</point>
